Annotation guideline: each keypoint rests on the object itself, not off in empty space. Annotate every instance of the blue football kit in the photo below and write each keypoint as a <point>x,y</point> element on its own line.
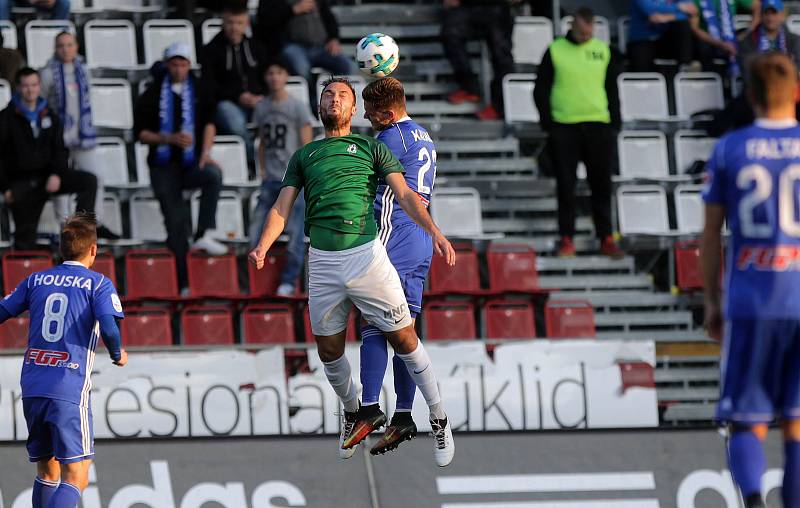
<point>65,303</point>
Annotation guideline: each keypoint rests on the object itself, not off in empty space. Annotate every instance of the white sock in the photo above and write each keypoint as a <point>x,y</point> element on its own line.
<point>338,374</point>
<point>421,370</point>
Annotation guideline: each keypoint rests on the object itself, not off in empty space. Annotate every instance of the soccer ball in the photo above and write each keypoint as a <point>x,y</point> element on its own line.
<point>377,55</point>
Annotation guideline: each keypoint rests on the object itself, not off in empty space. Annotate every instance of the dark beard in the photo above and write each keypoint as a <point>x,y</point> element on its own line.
<point>332,123</point>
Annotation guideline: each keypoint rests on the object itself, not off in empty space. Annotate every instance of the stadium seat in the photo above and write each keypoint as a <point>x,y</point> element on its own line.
<point>140,152</point>
<point>691,146</point>
<point>150,274</point>
<point>569,319</point>
<point>449,321</point>
<point>112,103</point>
<point>147,222</point>
<point>268,323</point>
<point>602,30</point>
<point>512,267</point>
<point>623,26</point>
<point>457,211</point>
<point>697,91</point>
<point>207,325</point>
<point>352,334</point>
<point>793,23</point>
<point>112,213</point>
<point>530,38</point>
<point>642,154</point>
<point>158,34</point>
<point>104,263</point>
<point>230,216</point>
<point>19,264</point>
<point>642,96</point>
<point>689,212</point>
<point>509,319</point>
<point>128,6</point>
<point>265,282</point>
<point>297,87</point>
<point>464,276</point>
<point>9,31</point>
<point>146,326</point>
<point>212,275</point>
<point>230,153</point>
<point>209,29</point>
<point>5,93</point>
<point>742,21</point>
<point>359,83</point>
<point>40,37</point>
<point>14,332</point>
<point>111,154</point>
<point>637,374</point>
<point>688,273</point>
<point>518,102</point>
<point>642,209</point>
<point>110,43</point>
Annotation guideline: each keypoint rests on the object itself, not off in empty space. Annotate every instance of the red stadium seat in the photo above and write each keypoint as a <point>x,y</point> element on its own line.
<point>104,263</point>
<point>512,267</point>
<point>689,275</point>
<point>146,326</point>
<point>639,374</point>
<point>265,282</point>
<point>509,319</point>
<point>14,333</point>
<point>352,327</point>
<point>204,325</point>
<point>270,323</point>
<point>449,320</point>
<point>569,319</point>
<point>151,274</point>
<point>212,275</point>
<point>19,264</point>
<point>465,276</point>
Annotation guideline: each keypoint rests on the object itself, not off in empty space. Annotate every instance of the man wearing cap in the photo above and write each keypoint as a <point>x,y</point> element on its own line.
<point>769,35</point>
<point>175,116</point>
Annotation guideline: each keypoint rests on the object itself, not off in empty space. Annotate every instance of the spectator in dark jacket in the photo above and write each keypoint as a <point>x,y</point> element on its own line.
<point>175,117</point>
<point>233,66</point>
<point>11,60</point>
<point>306,33</point>
<point>33,160</point>
<point>660,29</point>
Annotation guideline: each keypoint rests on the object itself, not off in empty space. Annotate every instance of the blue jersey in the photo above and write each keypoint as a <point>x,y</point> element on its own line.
<point>755,174</point>
<point>65,303</point>
<point>413,147</point>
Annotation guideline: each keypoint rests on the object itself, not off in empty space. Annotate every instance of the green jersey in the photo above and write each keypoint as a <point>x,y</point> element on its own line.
<point>340,177</point>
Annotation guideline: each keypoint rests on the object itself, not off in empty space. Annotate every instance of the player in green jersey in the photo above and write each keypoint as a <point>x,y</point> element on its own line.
<point>347,265</point>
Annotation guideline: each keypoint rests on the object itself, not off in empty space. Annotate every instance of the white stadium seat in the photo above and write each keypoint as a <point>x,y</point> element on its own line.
<point>112,156</point>
<point>40,39</point>
<point>230,216</point>
<point>9,31</point>
<point>112,103</point>
<point>691,146</point>
<point>623,25</point>
<point>742,21</point>
<point>642,209</point>
<point>110,44</point>
<point>689,208</point>
<point>112,213</point>
<point>518,102</point>
<point>642,96</point>
<point>602,30</point>
<point>5,93</point>
<point>297,87</point>
<point>229,151</point>
<point>147,222</point>
<point>531,37</point>
<point>793,23</point>
<point>697,91</point>
<point>457,211</point>
<point>642,154</point>
<point>140,152</point>
<point>129,6</point>
<point>209,29</point>
<point>158,34</point>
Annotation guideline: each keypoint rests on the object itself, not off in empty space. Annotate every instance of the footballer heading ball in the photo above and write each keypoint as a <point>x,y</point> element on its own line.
<point>377,55</point>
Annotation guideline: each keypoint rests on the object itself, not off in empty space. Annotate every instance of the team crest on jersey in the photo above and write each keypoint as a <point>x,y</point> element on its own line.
<point>352,149</point>
<point>48,358</point>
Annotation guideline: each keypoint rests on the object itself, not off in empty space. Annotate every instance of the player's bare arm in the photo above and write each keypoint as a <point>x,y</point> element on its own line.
<point>276,222</point>
<point>409,202</point>
<point>710,247</point>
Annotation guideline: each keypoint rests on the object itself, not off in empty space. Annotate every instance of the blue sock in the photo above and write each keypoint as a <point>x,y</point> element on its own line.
<point>65,496</point>
<point>404,386</point>
<point>747,461</point>
<point>374,357</point>
<point>42,492</point>
<point>791,474</point>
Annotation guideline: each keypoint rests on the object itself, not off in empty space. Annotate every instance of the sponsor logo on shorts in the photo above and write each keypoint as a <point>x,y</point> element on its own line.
<point>48,358</point>
<point>397,313</point>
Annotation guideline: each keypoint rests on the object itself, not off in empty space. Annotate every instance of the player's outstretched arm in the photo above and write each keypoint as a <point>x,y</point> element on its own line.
<point>410,203</point>
<point>109,331</point>
<point>276,221</point>
<point>710,248</point>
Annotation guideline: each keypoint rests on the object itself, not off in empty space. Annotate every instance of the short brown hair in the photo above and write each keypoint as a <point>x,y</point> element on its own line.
<point>339,79</point>
<point>773,80</point>
<point>78,235</point>
<point>384,94</point>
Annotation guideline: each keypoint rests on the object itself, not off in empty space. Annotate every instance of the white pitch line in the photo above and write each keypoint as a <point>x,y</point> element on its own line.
<point>600,503</point>
<point>582,482</point>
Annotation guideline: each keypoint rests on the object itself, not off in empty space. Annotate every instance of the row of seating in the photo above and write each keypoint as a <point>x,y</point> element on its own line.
<point>644,210</point>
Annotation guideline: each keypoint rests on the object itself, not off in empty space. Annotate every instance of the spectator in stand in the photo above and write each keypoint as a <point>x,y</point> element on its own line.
<point>33,160</point>
<point>66,87</point>
<point>175,117</point>
<point>715,30</point>
<point>486,19</point>
<point>58,9</point>
<point>661,29</point>
<point>284,126</point>
<point>576,94</point>
<point>11,60</point>
<point>233,66</point>
<point>306,34</point>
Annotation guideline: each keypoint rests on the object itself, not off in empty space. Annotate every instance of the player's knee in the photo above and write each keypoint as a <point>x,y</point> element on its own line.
<point>329,349</point>
<point>48,470</point>
<point>403,341</point>
<point>791,430</point>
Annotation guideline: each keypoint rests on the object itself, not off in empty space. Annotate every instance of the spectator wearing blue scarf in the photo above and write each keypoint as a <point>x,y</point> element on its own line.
<point>65,85</point>
<point>175,116</point>
<point>769,35</point>
<point>715,30</point>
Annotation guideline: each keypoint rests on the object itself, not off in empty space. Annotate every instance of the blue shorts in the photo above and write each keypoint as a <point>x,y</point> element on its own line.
<point>760,371</point>
<point>59,429</point>
<point>410,250</point>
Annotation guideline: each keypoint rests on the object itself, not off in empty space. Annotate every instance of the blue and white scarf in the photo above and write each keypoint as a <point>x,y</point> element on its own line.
<point>166,116</point>
<point>721,27</point>
<point>86,133</point>
<point>764,44</point>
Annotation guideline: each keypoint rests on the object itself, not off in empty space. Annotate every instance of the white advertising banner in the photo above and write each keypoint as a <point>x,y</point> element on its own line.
<point>528,385</point>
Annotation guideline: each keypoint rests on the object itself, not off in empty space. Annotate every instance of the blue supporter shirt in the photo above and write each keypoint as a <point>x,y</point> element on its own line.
<point>414,148</point>
<point>754,173</point>
<point>65,303</point>
<point>641,29</point>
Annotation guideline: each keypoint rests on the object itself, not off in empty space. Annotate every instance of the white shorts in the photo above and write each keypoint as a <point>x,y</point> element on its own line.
<point>362,275</point>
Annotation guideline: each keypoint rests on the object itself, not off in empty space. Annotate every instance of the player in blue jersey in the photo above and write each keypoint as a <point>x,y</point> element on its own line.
<point>754,184</point>
<point>70,307</point>
<point>410,250</point>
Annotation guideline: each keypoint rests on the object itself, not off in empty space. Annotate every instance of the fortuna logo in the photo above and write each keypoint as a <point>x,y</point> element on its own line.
<point>47,358</point>
<point>352,149</point>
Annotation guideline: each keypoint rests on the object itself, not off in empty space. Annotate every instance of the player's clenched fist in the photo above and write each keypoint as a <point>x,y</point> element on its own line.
<point>123,359</point>
<point>257,256</point>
